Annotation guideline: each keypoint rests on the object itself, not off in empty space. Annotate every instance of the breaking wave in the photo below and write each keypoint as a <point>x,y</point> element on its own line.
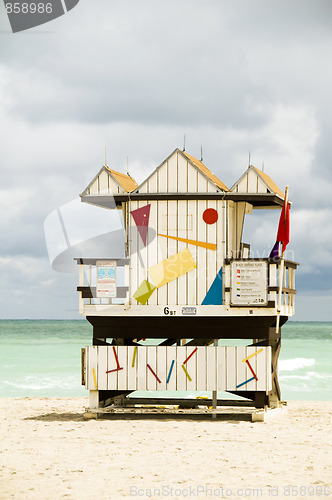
<point>289,365</point>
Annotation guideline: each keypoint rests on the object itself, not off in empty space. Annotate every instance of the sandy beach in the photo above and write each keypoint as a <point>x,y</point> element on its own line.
<point>48,451</point>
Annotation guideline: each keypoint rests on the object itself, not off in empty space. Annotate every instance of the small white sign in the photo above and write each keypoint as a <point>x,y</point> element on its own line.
<point>106,278</point>
<point>248,283</point>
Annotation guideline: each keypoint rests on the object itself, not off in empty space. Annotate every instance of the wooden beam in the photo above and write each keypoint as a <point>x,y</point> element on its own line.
<point>186,402</point>
<point>92,261</point>
<point>255,199</point>
<point>284,290</point>
<point>83,367</point>
<point>275,382</point>
<point>91,293</point>
<point>199,342</point>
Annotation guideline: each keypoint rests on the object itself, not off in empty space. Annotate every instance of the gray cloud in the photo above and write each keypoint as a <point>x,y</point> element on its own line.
<point>136,75</point>
<point>180,62</point>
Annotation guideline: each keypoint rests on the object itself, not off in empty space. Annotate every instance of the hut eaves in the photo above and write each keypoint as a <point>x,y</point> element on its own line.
<point>125,181</point>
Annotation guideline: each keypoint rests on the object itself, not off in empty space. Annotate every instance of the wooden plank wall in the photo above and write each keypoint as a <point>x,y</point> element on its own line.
<point>178,368</point>
<point>181,219</point>
<point>104,184</point>
<point>251,183</point>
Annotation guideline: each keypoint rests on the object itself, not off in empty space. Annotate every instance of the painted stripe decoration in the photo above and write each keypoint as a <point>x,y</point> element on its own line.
<point>134,356</point>
<point>170,371</point>
<point>153,373</point>
<point>94,378</point>
<point>187,374</point>
<point>251,369</point>
<point>118,367</point>
<point>116,358</point>
<point>114,370</point>
<point>172,268</point>
<point>252,355</point>
<point>203,244</point>
<point>189,356</point>
<point>246,360</point>
<point>246,382</point>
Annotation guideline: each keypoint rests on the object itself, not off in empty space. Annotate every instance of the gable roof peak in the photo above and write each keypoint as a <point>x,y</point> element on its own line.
<point>242,185</point>
<point>205,171</point>
<point>268,181</point>
<point>123,181</point>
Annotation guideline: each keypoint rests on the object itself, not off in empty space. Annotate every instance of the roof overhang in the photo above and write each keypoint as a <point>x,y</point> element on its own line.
<point>257,200</point>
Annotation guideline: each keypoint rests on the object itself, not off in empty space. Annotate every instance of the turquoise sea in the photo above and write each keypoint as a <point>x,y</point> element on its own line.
<point>42,358</point>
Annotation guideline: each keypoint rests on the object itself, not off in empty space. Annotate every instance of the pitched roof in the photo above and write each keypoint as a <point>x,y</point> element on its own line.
<point>213,178</point>
<point>125,181</point>
<point>269,182</point>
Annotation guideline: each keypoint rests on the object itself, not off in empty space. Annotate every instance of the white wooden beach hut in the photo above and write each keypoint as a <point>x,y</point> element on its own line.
<point>187,280</point>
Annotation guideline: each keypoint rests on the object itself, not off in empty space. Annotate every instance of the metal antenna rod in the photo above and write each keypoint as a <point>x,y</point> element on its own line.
<point>127,167</point>
<point>201,153</point>
<point>184,142</point>
<point>105,157</point>
<point>249,159</point>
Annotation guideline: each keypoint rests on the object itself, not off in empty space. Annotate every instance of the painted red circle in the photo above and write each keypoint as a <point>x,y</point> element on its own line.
<point>210,216</point>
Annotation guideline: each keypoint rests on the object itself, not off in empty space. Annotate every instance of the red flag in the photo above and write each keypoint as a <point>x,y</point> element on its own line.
<point>283,229</point>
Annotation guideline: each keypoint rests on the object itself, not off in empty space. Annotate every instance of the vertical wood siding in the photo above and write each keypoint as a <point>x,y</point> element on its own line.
<point>208,368</point>
<point>104,184</point>
<point>180,219</point>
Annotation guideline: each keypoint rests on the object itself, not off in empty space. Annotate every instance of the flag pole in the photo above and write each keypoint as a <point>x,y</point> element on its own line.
<point>281,269</point>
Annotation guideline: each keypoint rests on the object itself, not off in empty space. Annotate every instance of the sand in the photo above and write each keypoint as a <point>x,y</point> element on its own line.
<point>49,452</point>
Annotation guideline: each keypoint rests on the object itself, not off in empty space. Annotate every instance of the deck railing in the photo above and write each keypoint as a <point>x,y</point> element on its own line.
<point>274,280</point>
<point>88,293</point>
<point>88,280</point>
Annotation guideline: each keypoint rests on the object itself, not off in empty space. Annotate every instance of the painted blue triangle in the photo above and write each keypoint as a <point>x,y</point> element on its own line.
<point>214,295</point>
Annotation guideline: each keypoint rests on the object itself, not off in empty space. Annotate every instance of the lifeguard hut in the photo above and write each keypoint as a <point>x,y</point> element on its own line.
<point>184,283</point>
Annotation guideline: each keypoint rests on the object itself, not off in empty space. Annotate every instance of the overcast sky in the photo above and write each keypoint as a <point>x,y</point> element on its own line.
<point>136,75</point>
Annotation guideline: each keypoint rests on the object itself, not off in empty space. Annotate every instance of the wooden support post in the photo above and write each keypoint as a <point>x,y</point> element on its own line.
<point>83,365</point>
<point>281,271</point>
<point>273,400</point>
<point>280,285</point>
<point>93,400</point>
<point>214,393</point>
<point>81,283</point>
<point>274,341</point>
<point>260,399</point>
<point>275,397</point>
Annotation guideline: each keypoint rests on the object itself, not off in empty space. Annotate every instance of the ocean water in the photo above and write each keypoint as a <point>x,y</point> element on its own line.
<point>42,358</point>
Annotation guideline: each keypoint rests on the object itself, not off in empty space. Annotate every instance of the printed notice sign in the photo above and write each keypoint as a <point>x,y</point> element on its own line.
<point>106,278</point>
<point>248,283</point>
